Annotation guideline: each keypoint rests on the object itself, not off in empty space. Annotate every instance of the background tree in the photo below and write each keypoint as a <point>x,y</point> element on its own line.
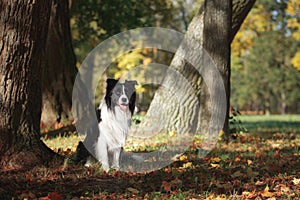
<point>263,73</point>
<point>293,23</point>
<point>214,26</point>
<point>91,22</point>
<point>23,32</point>
<point>94,21</point>
<point>59,70</point>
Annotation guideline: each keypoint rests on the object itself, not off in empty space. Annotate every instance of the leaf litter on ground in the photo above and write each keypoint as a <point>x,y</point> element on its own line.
<point>248,167</point>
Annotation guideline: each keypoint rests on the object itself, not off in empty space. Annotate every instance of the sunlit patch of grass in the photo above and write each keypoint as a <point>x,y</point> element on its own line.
<point>158,142</point>
<point>63,143</point>
<point>271,123</point>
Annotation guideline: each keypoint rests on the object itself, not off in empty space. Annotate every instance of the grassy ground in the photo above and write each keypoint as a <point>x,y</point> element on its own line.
<point>263,163</point>
<point>271,124</point>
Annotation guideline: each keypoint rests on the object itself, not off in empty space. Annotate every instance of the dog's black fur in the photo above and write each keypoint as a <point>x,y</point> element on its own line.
<point>114,120</point>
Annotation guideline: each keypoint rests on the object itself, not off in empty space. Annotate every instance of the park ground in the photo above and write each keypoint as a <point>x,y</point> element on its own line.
<point>261,161</point>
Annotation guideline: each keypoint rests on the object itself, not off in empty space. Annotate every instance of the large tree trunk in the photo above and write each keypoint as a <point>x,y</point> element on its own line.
<point>23,28</point>
<point>213,28</point>
<point>60,67</point>
<point>216,41</point>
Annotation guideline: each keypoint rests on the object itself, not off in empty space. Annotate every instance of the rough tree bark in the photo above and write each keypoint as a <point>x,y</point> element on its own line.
<point>23,28</point>
<point>213,27</point>
<point>59,67</point>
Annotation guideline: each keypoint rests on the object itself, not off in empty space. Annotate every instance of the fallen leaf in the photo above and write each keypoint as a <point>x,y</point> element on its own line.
<point>215,159</point>
<point>259,183</point>
<point>183,157</point>
<point>26,195</point>
<point>296,181</point>
<point>284,189</point>
<point>221,133</point>
<point>166,186</point>
<point>277,154</point>
<point>172,133</point>
<point>215,165</point>
<point>28,177</point>
<point>266,193</point>
<point>55,196</point>
<point>187,165</point>
<point>249,162</point>
<point>133,190</point>
<point>221,197</point>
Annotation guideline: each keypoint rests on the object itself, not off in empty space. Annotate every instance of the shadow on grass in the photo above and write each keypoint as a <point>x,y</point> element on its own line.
<point>243,165</point>
<point>248,164</point>
<point>61,132</point>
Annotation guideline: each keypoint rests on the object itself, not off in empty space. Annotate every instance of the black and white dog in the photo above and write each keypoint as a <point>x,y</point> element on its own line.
<point>114,120</point>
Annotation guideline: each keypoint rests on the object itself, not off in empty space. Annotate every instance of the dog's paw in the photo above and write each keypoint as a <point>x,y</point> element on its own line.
<point>115,167</point>
<point>105,167</point>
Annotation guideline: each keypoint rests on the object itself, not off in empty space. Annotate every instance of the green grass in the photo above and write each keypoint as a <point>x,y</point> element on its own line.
<point>270,124</point>
<point>267,156</point>
<point>267,125</point>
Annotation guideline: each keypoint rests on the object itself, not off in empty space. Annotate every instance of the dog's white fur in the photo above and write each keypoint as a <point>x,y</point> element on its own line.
<point>114,129</point>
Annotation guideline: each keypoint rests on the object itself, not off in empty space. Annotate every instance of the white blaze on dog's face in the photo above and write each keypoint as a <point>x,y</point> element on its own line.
<point>121,95</point>
<point>122,99</point>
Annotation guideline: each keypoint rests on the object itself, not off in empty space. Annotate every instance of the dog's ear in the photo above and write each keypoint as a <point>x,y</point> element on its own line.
<point>111,83</point>
<point>131,84</point>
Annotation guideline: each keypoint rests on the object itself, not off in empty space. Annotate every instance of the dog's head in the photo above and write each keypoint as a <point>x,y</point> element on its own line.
<point>119,94</point>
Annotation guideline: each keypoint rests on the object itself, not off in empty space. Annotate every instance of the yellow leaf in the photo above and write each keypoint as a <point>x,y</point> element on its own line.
<point>266,193</point>
<point>249,162</point>
<point>187,165</point>
<point>296,181</point>
<point>215,165</point>
<point>259,183</point>
<point>182,157</point>
<point>221,133</point>
<point>215,160</point>
<point>221,197</point>
<point>296,61</point>
<point>172,133</point>
<point>139,89</point>
<point>285,189</point>
<point>147,61</point>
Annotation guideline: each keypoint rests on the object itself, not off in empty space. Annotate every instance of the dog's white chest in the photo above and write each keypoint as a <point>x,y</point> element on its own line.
<point>114,127</point>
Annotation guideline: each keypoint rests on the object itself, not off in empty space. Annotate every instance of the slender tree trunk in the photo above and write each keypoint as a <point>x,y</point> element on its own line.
<point>60,67</point>
<point>213,28</point>
<point>23,28</point>
<point>283,103</point>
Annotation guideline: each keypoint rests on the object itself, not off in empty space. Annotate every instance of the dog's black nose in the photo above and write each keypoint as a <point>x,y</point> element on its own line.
<point>124,99</point>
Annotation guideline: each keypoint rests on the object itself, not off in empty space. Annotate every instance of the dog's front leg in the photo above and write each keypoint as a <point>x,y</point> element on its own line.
<point>102,153</point>
<point>115,158</point>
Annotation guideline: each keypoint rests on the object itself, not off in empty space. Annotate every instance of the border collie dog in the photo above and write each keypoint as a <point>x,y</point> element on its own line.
<point>114,119</point>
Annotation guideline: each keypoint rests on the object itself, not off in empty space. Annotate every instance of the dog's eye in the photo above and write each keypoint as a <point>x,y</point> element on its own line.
<point>118,92</point>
